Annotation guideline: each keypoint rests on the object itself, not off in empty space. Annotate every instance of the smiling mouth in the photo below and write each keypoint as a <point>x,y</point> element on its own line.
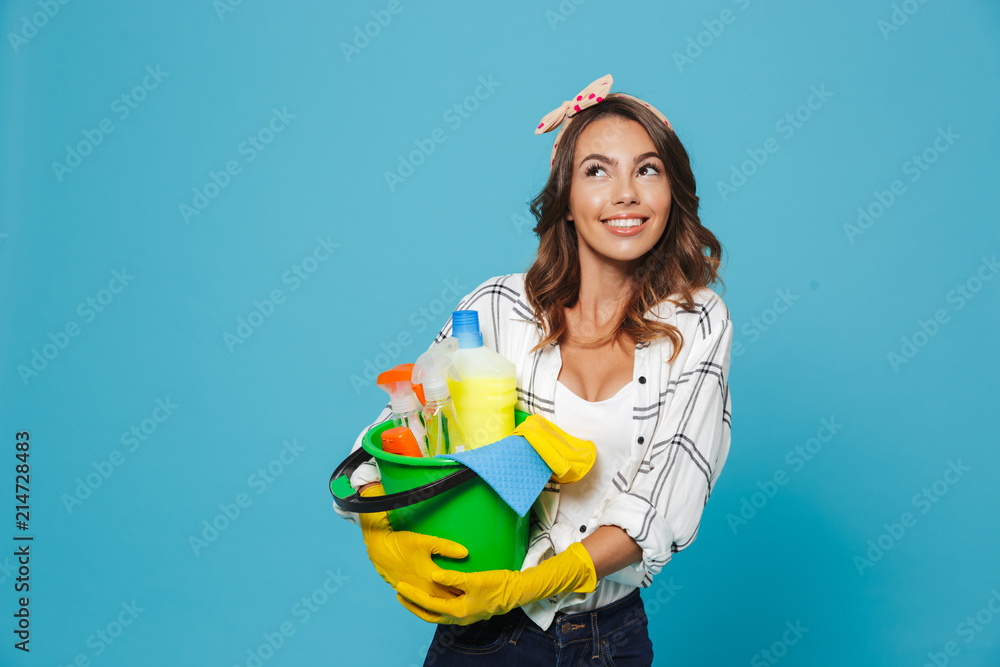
<point>624,223</point>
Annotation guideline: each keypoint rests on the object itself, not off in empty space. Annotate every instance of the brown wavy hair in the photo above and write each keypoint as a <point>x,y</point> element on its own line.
<point>676,266</point>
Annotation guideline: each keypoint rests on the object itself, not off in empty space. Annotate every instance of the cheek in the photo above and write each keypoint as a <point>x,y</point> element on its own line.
<point>587,193</point>
<point>595,202</point>
<point>664,203</point>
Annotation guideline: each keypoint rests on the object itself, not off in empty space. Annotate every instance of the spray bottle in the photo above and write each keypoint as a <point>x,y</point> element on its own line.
<point>405,405</point>
<point>486,396</point>
<point>433,370</point>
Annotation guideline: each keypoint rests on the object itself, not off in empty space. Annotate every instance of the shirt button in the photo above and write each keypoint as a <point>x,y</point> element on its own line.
<point>641,440</point>
<point>583,529</point>
<point>642,379</point>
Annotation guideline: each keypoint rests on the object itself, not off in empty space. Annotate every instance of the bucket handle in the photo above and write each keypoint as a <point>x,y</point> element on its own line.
<point>355,502</point>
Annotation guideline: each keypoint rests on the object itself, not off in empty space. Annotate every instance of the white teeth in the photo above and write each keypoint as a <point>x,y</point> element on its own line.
<point>624,224</point>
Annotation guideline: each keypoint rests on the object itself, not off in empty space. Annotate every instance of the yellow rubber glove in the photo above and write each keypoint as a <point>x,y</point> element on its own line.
<point>493,592</point>
<point>405,555</point>
<point>570,458</point>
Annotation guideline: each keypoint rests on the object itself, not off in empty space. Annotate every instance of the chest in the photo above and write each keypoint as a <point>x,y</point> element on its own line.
<point>596,373</point>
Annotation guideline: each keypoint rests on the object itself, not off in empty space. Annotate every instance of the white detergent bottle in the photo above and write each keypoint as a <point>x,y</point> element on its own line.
<point>486,396</point>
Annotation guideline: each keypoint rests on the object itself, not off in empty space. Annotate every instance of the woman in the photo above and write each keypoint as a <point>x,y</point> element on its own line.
<point>617,339</point>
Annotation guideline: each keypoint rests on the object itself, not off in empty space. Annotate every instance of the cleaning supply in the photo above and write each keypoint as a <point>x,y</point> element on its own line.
<point>400,440</point>
<point>511,467</point>
<point>493,592</point>
<point>403,554</point>
<point>439,497</point>
<point>569,457</point>
<point>487,394</point>
<point>445,434</point>
<point>417,388</point>
<point>520,465</point>
<point>405,405</point>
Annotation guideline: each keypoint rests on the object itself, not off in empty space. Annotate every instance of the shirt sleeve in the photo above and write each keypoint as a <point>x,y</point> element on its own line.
<point>661,508</point>
<point>368,472</point>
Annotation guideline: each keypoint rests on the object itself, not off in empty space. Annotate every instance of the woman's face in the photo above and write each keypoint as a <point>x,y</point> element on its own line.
<point>617,174</point>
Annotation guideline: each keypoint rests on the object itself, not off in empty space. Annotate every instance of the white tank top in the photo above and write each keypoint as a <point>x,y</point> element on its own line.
<point>608,424</point>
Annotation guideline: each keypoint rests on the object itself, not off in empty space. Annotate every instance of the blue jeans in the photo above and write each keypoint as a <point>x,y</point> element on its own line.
<point>615,634</point>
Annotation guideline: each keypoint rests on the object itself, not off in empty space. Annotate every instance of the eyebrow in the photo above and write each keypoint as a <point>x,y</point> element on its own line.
<point>614,163</point>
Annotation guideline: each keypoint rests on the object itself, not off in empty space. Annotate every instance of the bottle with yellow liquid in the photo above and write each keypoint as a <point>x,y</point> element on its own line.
<point>487,394</point>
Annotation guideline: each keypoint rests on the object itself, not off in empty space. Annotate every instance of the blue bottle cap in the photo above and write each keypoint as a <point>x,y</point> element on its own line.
<point>465,327</point>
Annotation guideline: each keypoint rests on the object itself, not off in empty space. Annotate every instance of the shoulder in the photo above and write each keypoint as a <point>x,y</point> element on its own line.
<point>502,295</point>
<point>710,306</point>
<point>708,315</point>
<point>506,283</point>
<point>500,302</point>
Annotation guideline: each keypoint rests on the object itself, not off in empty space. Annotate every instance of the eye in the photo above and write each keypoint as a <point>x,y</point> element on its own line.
<point>649,165</point>
<point>593,168</point>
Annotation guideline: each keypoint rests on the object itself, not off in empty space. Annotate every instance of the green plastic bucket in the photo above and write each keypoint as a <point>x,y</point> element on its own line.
<point>442,498</point>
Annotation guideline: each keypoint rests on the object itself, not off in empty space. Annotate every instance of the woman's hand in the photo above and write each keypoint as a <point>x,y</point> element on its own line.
<point>485,594</point>
<point>405,556</point>
<point>569,458</point>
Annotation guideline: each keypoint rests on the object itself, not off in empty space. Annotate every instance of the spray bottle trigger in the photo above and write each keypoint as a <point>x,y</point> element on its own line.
<point>435,366</point>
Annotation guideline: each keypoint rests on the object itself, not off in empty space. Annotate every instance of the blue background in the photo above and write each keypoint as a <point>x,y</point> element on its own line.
<point>461,216</point>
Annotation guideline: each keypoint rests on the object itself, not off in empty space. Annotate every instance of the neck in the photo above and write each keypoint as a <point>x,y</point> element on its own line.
<point>604,285</point>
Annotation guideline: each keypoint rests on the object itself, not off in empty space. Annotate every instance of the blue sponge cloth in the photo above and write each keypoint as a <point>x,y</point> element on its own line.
<point>512,467</point>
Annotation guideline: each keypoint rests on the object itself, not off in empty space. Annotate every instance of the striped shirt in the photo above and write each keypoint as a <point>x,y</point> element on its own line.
<point>681,427</point>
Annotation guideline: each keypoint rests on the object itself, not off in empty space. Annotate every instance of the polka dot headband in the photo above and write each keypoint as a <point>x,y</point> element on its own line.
<point>588,97</point>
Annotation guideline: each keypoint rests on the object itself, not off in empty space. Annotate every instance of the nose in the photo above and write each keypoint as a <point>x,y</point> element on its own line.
<point>625,191</point>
